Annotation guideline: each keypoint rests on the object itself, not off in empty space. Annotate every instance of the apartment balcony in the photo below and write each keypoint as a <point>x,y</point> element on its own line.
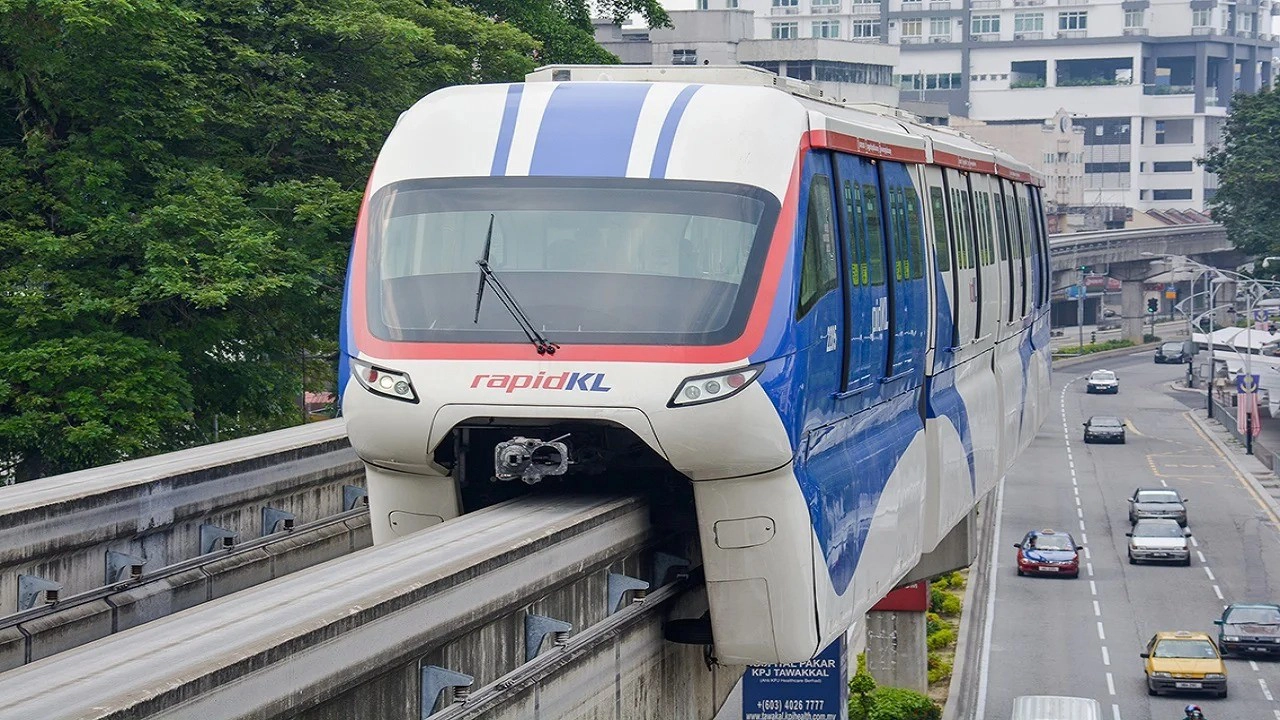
<point>1028,36</point>
<point>1168,89</point>
<point>1137,31</point>
<point>1244,33</point>
<point>784,11</point>
<point>1264,36</point>
<point>866,8</point>
<point>831,9</point>
<point>1027,3</point>
<point>984,4</point>
<point>985,37</point>
<point>911,40</point>
<point>940,39</point>
<point>940,5</point>
<point>912,6</point>
<point>1072,34</point>
<point>1204,31</point>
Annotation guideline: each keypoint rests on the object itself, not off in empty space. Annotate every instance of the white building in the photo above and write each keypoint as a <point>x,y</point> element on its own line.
<point>1148,80</point>
<point>856,72</point>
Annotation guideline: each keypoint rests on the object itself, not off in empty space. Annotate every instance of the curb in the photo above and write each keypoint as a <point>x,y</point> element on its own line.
<point>1068,361</point>
<point>960,692</point>
<point>1231,455</point>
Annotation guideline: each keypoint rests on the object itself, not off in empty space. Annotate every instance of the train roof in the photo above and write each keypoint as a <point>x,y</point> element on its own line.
<point>862,128</point>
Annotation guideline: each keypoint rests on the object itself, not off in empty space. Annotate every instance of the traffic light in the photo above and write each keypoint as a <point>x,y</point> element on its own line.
<point>1152,305</point>
<point>1084,269</point>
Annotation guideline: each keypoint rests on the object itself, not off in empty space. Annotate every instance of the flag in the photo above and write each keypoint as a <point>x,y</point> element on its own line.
<point>1246,406</point>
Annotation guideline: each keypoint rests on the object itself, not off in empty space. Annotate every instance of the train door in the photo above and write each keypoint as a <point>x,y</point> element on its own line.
<point>908,295</point>
<point>987,197</point>
<point>820,310</point>
<point>945,320</point>
<point>1019,252</point>
<point>962,237</point>
<point>866,338</point>
<point>989,274</point>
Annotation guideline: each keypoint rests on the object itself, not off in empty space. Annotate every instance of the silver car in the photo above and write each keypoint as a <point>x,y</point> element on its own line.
<point>1157,504</point>
<point>1103,381</point>
<point>1159,541</point>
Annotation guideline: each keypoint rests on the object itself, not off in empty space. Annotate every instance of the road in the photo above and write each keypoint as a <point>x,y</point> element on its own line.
<point>1082,637</point>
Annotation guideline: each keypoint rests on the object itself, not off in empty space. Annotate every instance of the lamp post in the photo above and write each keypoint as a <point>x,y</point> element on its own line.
<point>1080,305</point>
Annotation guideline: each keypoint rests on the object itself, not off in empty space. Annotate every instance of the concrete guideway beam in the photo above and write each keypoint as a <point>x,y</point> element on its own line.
<point>61,527</point>
<point>347,638</point>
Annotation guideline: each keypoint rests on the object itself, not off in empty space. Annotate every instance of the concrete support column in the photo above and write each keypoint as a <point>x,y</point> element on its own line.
<point>1225,298</point>
<point>1266,74</point>
<point>1133,311</point>
<point>1201,75</point>
<point>897,650</point>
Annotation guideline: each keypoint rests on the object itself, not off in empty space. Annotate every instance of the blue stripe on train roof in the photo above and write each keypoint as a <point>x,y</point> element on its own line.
<point>587,130</point>
<point>507,129</point>
<point>667,136</point>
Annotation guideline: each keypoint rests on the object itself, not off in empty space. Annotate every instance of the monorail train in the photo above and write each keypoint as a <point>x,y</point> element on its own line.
<point>827,325</point>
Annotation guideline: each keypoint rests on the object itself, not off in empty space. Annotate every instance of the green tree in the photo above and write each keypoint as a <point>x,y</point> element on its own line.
<point>178,184</point>
<point>564,26</point>
<point>1248,167</point>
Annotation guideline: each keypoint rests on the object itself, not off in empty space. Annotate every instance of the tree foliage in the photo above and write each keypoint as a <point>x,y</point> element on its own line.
<point>178,184</point>
<point>564,26</point>
<point>1248,168</point>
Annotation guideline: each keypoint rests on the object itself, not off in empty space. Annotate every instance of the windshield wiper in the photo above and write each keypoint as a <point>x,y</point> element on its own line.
<point>487,276</point>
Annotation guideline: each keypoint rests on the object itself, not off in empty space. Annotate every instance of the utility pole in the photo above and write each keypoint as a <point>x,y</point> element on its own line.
<point>1080,304</point>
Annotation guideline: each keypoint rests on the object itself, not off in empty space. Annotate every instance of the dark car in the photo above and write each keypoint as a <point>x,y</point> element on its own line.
<point>1158,504</point>
<point>1172,352</point>
<point>1048,552</point>
<point>1249,628</point>
<point>1104,428</point>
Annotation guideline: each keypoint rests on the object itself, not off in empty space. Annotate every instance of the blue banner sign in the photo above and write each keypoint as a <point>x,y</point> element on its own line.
<point>1247,383</point>
<point>813,690</point>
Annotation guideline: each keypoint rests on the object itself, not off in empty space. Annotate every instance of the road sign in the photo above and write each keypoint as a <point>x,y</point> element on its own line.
<point>1246,384</point>
<point>813,690</point>
<point>1261,314</point>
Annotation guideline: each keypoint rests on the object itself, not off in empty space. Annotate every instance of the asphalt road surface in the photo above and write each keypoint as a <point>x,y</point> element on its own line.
<point>1059,636</point>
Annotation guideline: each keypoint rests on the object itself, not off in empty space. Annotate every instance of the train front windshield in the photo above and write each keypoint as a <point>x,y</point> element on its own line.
<point>590,261</point>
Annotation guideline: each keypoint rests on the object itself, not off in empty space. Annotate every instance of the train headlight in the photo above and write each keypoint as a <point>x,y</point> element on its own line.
<point>709,388</point>
<point>381,381</point>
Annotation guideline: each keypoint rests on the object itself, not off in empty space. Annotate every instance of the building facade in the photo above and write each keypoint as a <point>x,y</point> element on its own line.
<point>1148,80</point>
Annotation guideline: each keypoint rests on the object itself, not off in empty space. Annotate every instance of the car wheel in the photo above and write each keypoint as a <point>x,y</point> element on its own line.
<point>1131,560</point>
<point>1222,693</point>
<point>1187,562</point>
<point>1020,573</point>
<point>1151,690</point>
<point>1122,441</point>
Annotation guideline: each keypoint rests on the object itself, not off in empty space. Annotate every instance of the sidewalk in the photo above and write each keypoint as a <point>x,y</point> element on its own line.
<point>1254,470</point>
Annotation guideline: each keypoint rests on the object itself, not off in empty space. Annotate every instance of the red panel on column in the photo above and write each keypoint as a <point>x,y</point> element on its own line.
<point>908,598</point>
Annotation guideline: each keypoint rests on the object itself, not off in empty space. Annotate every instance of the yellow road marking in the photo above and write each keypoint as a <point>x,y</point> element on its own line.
<point>1134,430</point>
<point>1243,482</point>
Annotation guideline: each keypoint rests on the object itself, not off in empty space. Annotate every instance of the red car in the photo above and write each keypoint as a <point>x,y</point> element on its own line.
<point>1049,552</point>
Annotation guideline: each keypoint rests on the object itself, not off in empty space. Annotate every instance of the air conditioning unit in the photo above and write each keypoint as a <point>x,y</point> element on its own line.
<point>939,39</point>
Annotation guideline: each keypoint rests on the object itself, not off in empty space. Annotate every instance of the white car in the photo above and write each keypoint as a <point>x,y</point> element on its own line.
<point>1159,541</point>
<point>1103,381</point>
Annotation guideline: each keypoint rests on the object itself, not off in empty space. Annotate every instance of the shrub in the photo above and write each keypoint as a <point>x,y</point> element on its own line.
<point>943,602</point>
<point>942,638</point>
<point>939,669</point>
<point>933,622</point>
<point>899,704</point>
<point>861,690</point>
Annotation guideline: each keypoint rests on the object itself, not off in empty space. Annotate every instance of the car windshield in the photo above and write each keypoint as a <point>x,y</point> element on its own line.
<point>1104,422</point>
<point>1158,529</point>
<point>1103,375</point>
<point>1157,496</point>
<point>624,261</point>
<point>1254,616</point>
<point>1187,649</point>
<point>1056,541</point>
<point>1171,347</point>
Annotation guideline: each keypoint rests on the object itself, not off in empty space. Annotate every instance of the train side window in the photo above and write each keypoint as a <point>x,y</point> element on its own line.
<point>915,233</point>
<point>966,210</point>
<point>875,236</point>
<point>857,241</point>
<point>959,205</point>
<point>818,270</point>
<point>938,204</point>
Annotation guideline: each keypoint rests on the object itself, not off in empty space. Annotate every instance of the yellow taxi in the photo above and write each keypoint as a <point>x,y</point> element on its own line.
<point>1184,661</point>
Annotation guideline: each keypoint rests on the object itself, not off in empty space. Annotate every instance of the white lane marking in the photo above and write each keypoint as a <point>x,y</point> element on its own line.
<point>1218,591</point>
<point>1093,587</point>
<point>1071,465</point>
<point>1106,656</point>
<point>1102,635</point>
<point>1076,490</point>
<point>1087,556</point>
<point>1073,481</point>
<point>1079,512</point>
<point>1277,712</point>
<point>1254,665</point>
<point>1265,691</point>
<point>1077,501</point>
<point>1201,556</point>
<point>1084,539</point>
<point>1194,543</point>
<point>1097,609</point>
<point>1111,684</point>
<point>1162,482</point>
<point>1081,526</point>
<point>1115,712</point>
<point>1089,567</point>
<point>1209,572</point>
<point>985,664</point>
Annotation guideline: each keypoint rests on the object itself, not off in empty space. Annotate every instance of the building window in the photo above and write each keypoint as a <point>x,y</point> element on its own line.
<point>785,30</point>
<point>826,28</point>
<point>1246,20</point>
<point>684,57</point>
<point>731,4</point>
<point>1134,18</point>
<point>1175,132</point>
<point>866,29</point>
<point>1201,18</point>
<point>985,24</point>
<point>1172,166</point>
<point>1173,194</point>
<point>824,3</point>
<point>931,81</point>
<point>1028,22</point>
<point>940,27</point>
<point>912,27</point>
<point>1077,20</point>
<point>786,3</point>
<point>702,4</point>
<point>1106,167</point>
